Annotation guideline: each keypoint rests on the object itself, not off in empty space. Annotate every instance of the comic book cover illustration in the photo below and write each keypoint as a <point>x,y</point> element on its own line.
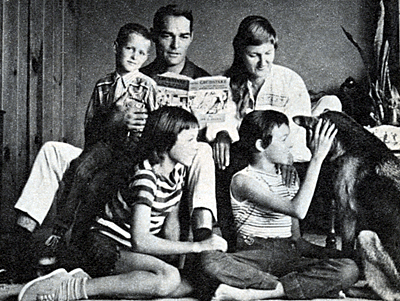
<point>205,97</point>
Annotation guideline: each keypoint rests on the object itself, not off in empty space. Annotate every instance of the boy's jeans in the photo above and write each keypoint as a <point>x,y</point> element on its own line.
<point>262,263</point>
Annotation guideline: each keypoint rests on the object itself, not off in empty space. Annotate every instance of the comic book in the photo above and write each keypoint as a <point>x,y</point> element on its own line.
<point>205,97</point>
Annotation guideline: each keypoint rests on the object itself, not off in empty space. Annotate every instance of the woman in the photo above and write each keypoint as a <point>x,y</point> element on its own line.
<point>259,84</point>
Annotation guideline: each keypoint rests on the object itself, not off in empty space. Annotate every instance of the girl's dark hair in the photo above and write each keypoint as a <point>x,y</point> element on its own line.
<point>253,31</point>
<point>170,10</point>
<point>259,125</point>
<point>129,28</point>
<point>161,131</point>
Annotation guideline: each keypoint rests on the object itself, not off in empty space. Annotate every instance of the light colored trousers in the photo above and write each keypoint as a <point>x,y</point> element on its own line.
<point>327,102</point>
<point>54,158</point>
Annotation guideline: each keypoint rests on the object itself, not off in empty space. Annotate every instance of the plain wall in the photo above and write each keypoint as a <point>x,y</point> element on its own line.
<point>311,40</point>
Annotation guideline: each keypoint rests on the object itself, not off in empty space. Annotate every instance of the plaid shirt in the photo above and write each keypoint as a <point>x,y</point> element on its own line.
<point>103,99</point>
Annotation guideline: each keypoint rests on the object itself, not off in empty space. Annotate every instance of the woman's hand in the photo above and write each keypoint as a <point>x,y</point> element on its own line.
<point>324,134</point>
<point>289,174</point>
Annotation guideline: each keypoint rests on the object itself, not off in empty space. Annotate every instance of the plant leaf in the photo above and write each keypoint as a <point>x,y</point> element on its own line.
<point>394,94</point>
<point>362,54</point>
<point>378,40</point>
<point>384,70</point>
<point>375,95</point>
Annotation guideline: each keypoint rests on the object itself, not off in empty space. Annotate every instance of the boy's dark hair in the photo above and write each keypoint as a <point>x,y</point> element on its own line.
<point>127,29</point>
<point>161,131</point>
<point>259,125</point>
<point>170,10</point>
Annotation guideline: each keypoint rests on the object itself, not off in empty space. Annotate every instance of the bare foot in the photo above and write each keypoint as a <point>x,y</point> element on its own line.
<point>226,292</point>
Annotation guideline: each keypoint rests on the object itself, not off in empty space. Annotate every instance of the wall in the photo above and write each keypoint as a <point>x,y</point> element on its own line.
<point>311,40</point>
<point>39,82</point>
<point>53,52</point>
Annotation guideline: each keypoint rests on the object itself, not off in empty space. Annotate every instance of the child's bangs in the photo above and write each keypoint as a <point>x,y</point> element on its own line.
<point>187,124</point>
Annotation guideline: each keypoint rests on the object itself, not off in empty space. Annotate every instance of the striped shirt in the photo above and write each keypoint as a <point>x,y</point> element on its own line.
<point>160,193</point>
<point>256,221</point>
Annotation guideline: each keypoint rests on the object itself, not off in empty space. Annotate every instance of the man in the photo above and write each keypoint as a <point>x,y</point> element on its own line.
<point>172,34</point>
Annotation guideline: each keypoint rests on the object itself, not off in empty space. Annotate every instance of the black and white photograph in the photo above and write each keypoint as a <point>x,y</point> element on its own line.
<point>214,150</point>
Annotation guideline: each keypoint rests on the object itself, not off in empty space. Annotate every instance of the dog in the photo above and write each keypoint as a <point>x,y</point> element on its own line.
<point>365,182</point>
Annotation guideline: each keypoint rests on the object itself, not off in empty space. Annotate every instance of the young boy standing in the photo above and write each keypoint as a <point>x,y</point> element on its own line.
<point>110,134</point>
<point>131,49</point>
<point>268,262</point>
<point>117,99</point>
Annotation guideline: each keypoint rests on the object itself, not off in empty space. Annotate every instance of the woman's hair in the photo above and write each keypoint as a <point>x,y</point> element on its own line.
<point>127,29</point>
<point>259,125</point>
<point>253,31</point>
<point>161,131</point>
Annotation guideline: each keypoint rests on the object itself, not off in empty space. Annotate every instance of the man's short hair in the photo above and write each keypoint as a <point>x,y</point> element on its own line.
<point>127,29</point>
<point>170,10</point>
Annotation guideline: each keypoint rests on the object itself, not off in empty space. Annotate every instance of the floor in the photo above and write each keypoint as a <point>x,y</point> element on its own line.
<point>315,238</point>
<point>359,288</point>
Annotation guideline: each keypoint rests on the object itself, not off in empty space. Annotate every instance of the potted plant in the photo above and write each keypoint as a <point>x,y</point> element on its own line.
<point>385,98</point>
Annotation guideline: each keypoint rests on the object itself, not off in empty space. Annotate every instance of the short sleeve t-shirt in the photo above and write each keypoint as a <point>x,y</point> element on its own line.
<point>161,194</point>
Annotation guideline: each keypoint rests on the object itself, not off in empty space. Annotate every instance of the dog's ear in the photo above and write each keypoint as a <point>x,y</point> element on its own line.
<point>307,122</point>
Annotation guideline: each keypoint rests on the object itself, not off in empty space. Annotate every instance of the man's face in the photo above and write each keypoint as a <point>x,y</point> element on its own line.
<point>132,55</point>
<point>173,40</point>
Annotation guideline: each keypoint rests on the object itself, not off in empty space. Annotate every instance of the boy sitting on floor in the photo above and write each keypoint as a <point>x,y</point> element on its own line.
<point>138,226</point>
<point>269,262</point>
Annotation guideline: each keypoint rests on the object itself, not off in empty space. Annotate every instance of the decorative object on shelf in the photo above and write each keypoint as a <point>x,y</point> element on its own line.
<point>384,96</point>
<point>389,134</point>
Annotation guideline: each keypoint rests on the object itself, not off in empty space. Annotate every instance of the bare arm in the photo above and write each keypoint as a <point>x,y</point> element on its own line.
<point>246,188</point>
<point>145,242</point>
<point>171,228</point>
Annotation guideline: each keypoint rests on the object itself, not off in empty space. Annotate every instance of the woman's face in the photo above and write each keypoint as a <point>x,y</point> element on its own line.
<point>258,59</point>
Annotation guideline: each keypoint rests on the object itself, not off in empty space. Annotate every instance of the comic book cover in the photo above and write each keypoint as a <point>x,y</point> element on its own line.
<point>205,97</point>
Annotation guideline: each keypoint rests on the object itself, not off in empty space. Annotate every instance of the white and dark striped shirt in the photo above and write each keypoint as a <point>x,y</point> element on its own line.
<point>256,221</point>
<point>160,193</point>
